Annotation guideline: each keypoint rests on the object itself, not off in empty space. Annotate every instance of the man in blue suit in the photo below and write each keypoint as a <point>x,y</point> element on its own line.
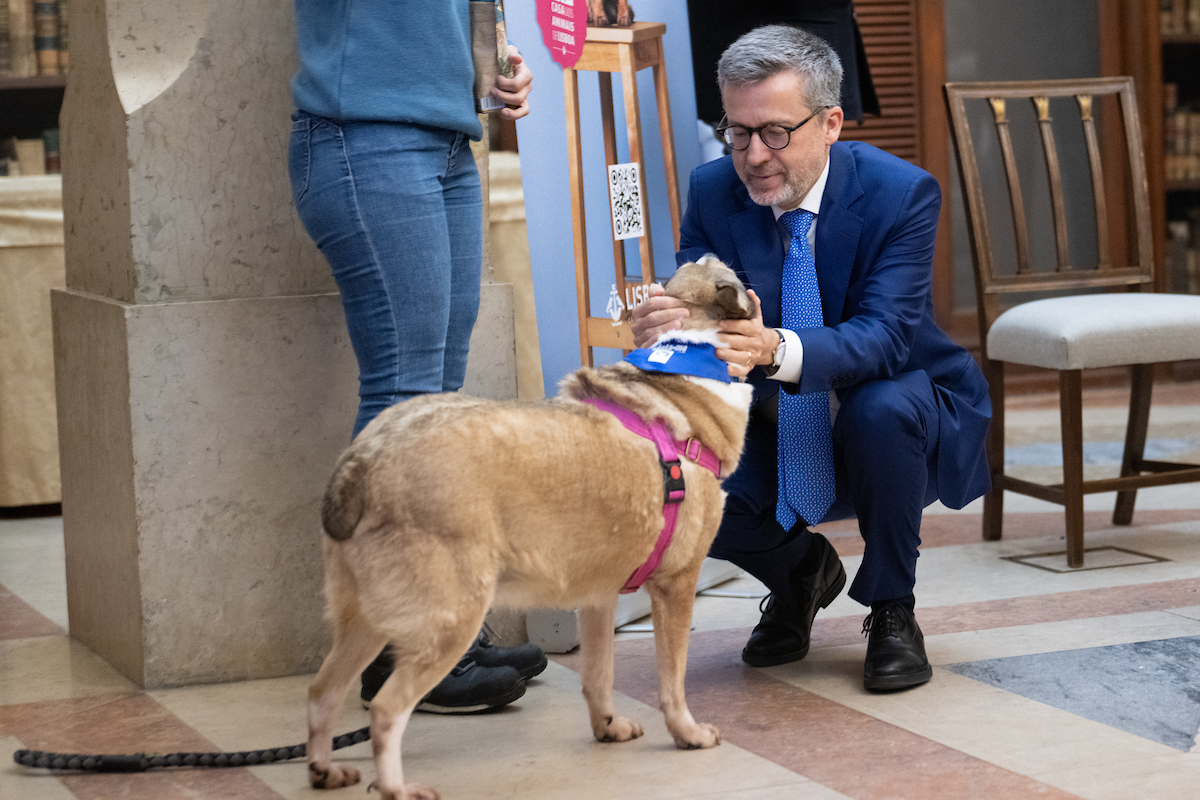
<point>856,342</point>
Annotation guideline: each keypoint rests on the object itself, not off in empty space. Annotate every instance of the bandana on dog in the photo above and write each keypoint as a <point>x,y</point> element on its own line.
<point>681,355</point>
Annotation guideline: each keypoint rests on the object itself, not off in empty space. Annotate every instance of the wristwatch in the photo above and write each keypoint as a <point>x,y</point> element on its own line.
<point>776,354</point>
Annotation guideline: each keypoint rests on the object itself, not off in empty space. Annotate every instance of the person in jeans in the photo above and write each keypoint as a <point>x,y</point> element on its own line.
<point>385,183</point>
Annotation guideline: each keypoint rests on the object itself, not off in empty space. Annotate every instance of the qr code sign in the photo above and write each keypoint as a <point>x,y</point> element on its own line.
<point>625,193</point>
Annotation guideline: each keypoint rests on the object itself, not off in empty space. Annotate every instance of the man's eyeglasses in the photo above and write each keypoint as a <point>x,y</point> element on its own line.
<point>773,136</point>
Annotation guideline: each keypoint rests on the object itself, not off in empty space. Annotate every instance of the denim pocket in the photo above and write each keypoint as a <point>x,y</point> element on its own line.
<point>299,156</point>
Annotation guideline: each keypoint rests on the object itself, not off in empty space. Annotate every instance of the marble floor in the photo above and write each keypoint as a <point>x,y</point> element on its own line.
<point>1048,682</point>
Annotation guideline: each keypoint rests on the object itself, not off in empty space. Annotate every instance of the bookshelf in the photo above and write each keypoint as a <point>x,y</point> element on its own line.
<point>34,59</point>
<point>31,105</point>
<point>1168,64</point>
<point>1179,51</point>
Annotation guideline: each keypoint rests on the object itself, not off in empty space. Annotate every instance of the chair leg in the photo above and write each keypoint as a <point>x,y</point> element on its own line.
<point>1070,398</point>
<point>1141,388</point>
<point>993,501</point>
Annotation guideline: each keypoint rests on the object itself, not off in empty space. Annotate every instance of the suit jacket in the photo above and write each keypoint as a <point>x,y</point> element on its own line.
<point>874,254</point>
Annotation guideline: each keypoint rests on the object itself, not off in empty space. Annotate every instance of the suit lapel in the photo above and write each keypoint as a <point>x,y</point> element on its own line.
<point>760,251</point>
<point>838,231</point>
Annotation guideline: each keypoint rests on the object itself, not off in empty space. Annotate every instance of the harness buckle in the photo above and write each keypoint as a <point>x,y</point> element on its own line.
<point>673,489</point>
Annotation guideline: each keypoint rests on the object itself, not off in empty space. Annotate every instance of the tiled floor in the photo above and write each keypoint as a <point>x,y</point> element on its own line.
<point>1048,683</point>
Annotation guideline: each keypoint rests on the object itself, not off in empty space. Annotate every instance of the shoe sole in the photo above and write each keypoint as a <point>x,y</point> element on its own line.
<point>786,658</point>
<point>891,683</point>
<point>499,701</point>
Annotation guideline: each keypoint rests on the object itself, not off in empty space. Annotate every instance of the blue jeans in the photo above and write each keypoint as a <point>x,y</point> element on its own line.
<point>396,209</point>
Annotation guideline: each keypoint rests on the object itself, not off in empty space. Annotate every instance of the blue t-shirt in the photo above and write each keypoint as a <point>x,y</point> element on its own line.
<point>387,60</point>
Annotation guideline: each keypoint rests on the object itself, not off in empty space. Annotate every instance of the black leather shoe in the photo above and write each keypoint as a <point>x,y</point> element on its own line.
<point>895,650</point>
<point>527,659</point>
<point>780,636</point>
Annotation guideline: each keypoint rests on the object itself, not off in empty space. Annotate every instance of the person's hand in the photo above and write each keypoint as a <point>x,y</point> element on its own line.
<point>655,317</point>
<point>514,91</point>
<point>748,342</point>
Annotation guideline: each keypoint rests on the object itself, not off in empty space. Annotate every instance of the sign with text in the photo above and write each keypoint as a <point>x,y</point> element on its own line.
<point>564,27</point>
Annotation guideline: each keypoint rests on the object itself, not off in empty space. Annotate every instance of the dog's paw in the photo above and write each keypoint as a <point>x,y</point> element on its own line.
<point>332,776</point>
<point>410,791</point>
<point>701,737</point>
<point>624,20</point>
<point>617,729</point>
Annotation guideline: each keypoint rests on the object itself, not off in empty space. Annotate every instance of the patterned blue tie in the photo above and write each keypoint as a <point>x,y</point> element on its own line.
<point>806,477</point>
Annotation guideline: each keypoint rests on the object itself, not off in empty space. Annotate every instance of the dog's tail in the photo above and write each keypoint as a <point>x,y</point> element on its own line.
<point>343,504</point>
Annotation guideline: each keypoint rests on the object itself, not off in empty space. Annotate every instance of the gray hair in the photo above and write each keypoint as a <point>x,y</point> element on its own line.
<point>771,49</point>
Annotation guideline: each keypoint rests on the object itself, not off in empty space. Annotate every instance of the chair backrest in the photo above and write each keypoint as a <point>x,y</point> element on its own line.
<point>993,286</point>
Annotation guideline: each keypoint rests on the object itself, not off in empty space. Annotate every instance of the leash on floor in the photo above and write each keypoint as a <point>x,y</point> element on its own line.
<point>141,762</point>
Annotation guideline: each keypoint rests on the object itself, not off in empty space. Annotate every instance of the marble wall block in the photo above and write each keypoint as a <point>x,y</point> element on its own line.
<point>175,133</point>
<point>193,484</point>
<point>198,440</point>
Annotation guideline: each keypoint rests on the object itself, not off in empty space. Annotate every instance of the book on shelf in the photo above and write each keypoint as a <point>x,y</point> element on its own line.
<point>30,156</point>
<point>1181,137</point>
<point>22,58</point>
<point>1179,16</point>
<point>1183,254</point>
<point>50,152</point>
<point>33,38</point>
<point>24,156</point>
<point>5,42</point>
<point>64,60</point>
<point>45,36</point>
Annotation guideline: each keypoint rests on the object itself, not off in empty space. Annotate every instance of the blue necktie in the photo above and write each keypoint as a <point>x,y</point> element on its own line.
<point>806,477</point>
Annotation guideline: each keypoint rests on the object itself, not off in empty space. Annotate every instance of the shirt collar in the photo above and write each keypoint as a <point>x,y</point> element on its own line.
<point>812,200</point>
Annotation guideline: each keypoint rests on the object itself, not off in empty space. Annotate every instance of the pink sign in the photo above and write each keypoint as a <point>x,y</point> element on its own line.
<point>564,27</point>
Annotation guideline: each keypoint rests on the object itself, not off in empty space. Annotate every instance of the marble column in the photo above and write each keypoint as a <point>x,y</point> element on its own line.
<point>205,380</point>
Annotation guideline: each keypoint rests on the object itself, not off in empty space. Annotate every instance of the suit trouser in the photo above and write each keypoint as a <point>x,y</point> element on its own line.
<point>885,452</point>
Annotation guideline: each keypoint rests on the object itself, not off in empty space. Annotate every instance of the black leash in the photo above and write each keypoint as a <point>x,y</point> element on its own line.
<point>140,762</point>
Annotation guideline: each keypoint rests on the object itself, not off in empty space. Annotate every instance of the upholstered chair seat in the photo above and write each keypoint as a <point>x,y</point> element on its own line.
<point>1098,330</point>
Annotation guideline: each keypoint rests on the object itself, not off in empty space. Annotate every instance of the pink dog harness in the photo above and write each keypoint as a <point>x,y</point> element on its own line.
<point>669,450</point>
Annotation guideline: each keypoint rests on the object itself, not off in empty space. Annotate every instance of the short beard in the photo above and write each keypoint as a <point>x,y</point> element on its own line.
<point>790,194</point>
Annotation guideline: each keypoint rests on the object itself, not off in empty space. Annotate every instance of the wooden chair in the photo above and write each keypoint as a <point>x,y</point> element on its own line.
<point>1118,320</point>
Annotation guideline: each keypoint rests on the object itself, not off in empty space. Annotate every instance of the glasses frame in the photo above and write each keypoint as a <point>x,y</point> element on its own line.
<point>723,128</point>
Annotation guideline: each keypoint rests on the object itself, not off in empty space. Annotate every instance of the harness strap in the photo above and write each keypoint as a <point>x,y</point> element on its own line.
<point>669,450</point>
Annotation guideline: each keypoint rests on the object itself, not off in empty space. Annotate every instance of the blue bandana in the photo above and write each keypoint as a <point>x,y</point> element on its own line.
<point>682,358</point>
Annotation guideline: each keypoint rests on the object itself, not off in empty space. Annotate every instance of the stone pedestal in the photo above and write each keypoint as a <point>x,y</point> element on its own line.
<point>206,383</point>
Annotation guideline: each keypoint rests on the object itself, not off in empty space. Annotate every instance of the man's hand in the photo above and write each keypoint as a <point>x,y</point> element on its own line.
<point>748,342</point>
<point>655,317</point>
<point>514,91</point>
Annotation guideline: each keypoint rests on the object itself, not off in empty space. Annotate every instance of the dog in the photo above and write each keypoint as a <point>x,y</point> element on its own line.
<point>608,13</point>
<point>446,505</point>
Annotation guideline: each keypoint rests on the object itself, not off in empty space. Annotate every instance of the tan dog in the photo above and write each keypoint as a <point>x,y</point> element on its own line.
<point>606,13</point>
<point>445,505</point>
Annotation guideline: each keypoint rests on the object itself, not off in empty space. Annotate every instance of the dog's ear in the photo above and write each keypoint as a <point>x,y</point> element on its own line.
<point>733,301</point>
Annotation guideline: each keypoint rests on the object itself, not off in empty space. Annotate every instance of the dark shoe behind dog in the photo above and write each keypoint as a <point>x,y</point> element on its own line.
<point>781,635</point>
<point>895,649</point>
<point>527,659</point>
<point>468,689</point>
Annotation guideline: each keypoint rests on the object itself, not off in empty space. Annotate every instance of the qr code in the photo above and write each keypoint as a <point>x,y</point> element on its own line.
<point>625,193</point>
